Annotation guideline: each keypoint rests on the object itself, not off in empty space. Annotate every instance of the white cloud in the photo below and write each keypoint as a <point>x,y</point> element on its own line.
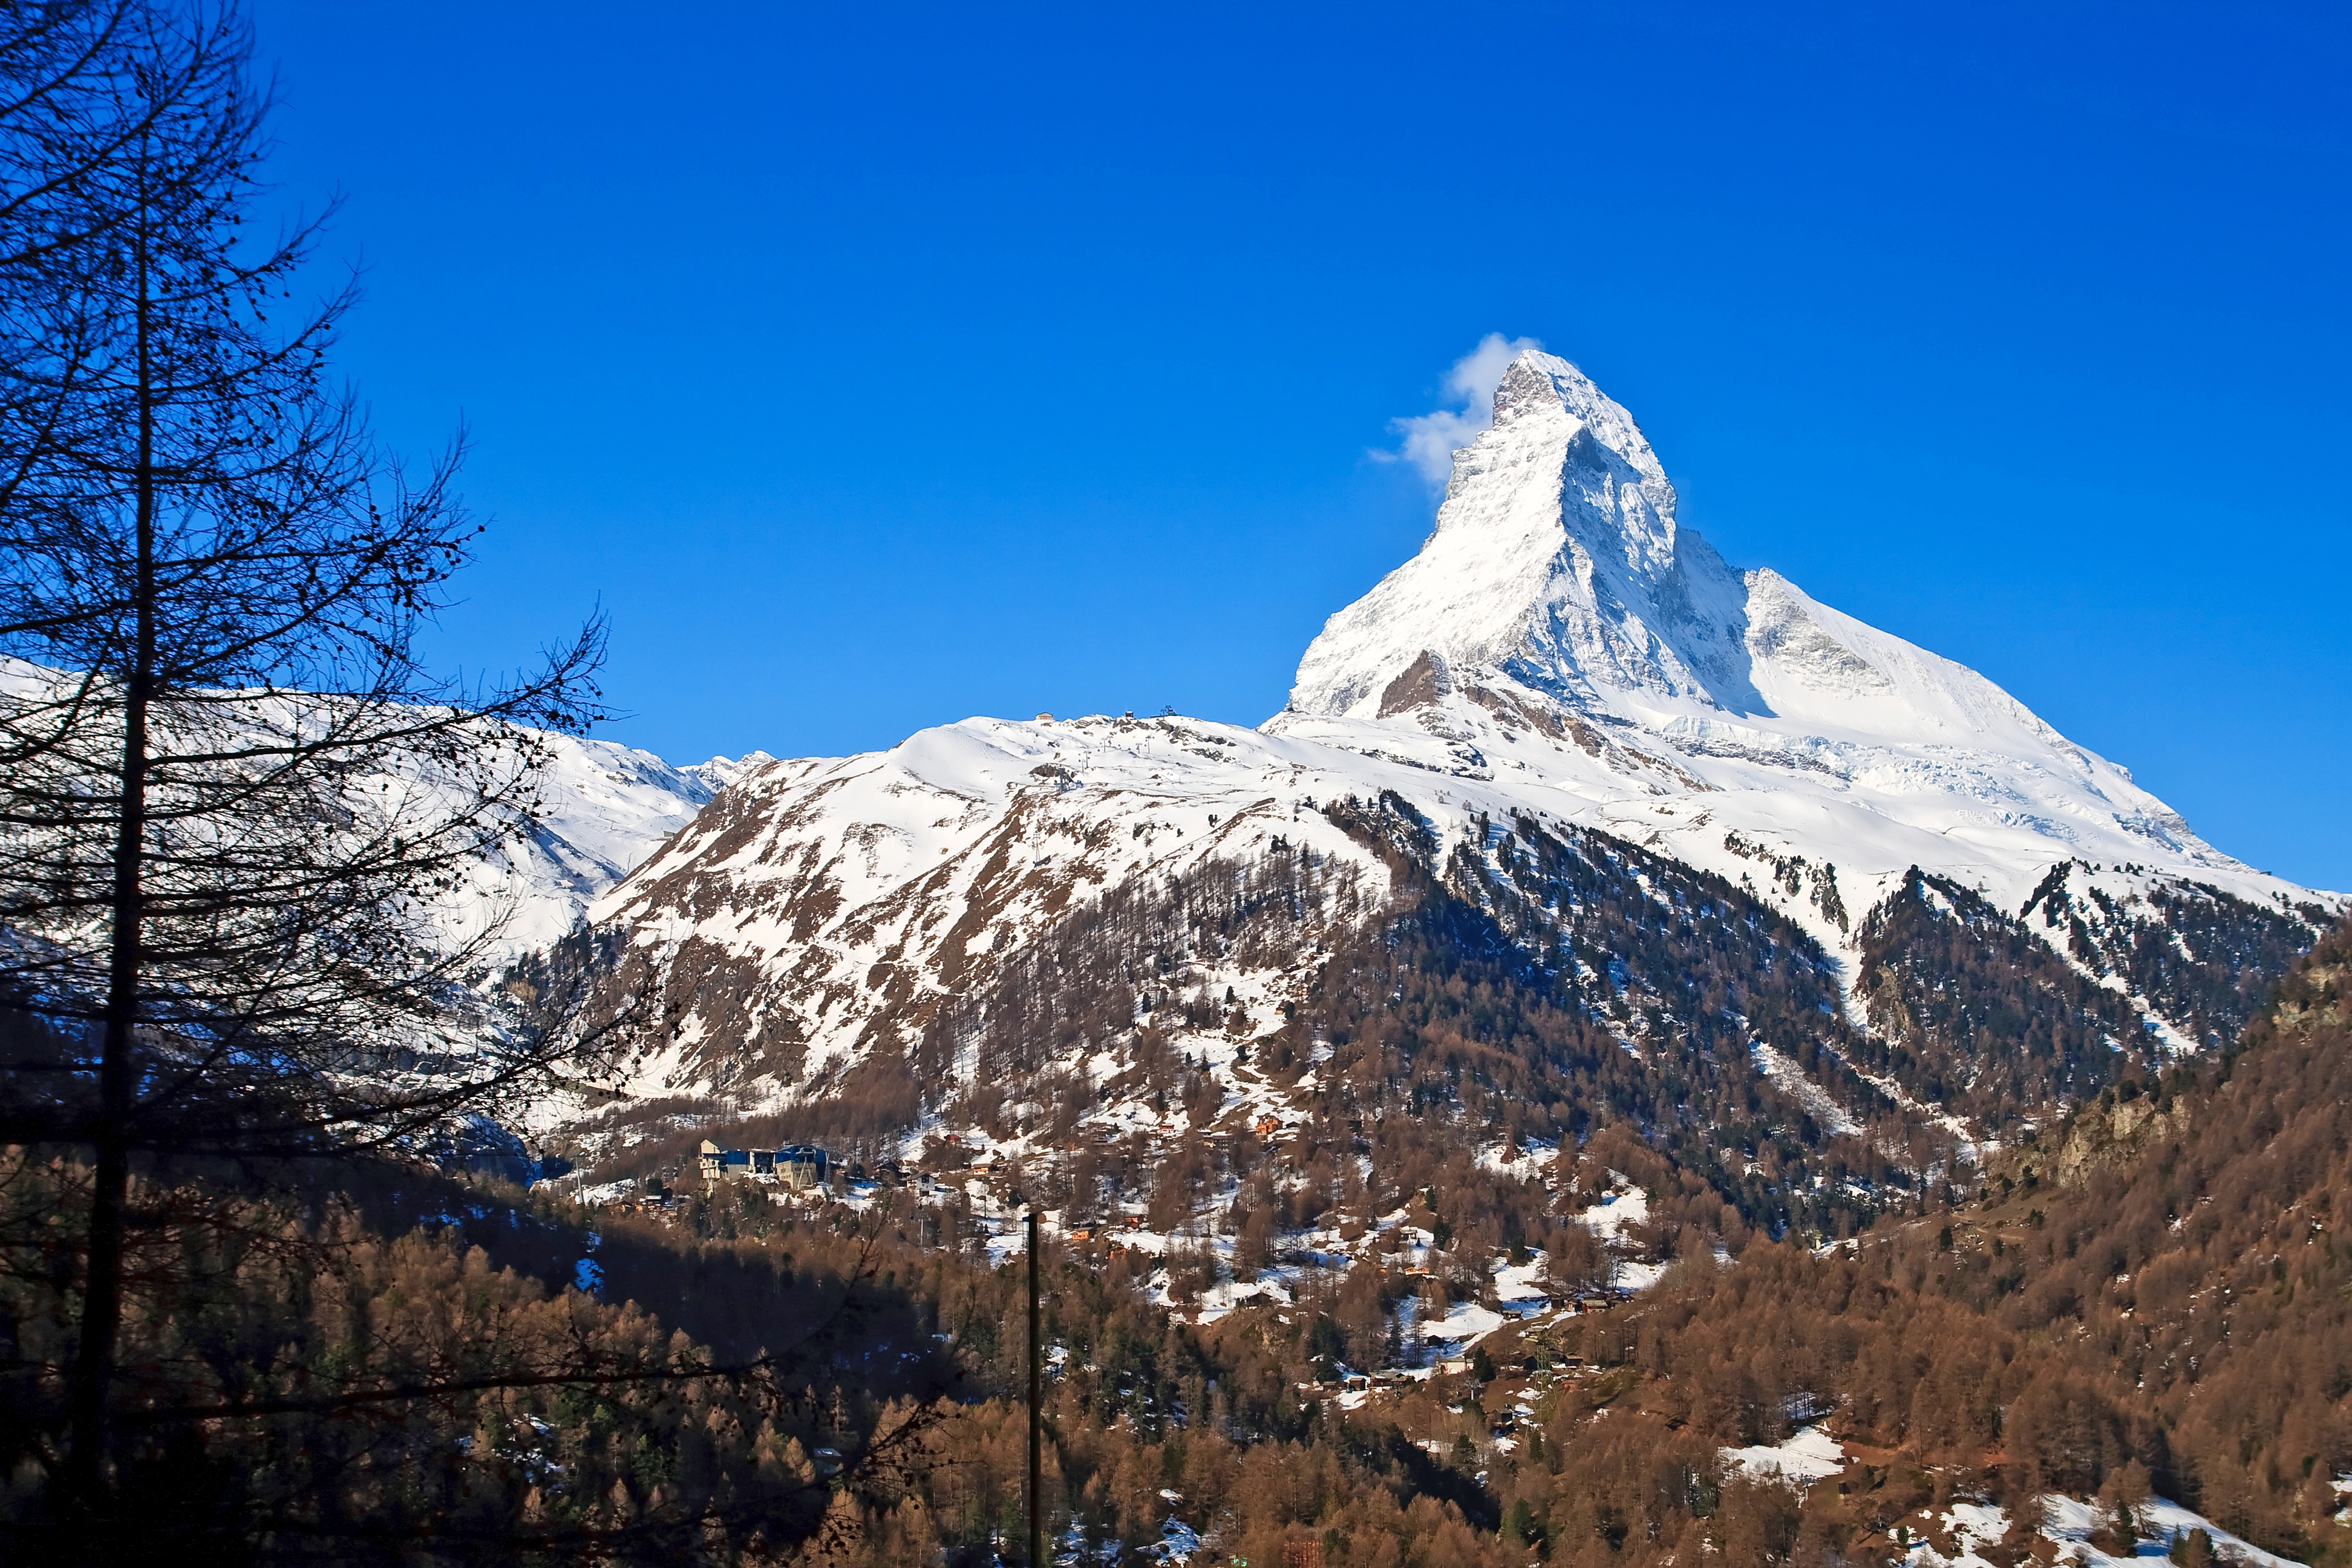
<point>1428,440</point>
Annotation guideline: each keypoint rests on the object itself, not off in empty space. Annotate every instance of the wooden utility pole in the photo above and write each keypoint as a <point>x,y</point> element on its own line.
<point>1036,1410</point>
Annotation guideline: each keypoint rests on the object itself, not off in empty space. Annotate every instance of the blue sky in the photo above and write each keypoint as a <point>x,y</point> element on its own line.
<point>875,366</point>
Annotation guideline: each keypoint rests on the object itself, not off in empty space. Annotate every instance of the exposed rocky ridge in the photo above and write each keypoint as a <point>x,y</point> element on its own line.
<point>2106,1133</point>
<point>819,908</point>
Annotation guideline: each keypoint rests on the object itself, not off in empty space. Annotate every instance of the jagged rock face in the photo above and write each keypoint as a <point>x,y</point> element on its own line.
<point>1562,653</point>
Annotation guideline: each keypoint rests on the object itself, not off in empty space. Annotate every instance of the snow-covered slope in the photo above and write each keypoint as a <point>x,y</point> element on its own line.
<point>812,909</point>
<point>604,807</point>
<point>1559,650</point>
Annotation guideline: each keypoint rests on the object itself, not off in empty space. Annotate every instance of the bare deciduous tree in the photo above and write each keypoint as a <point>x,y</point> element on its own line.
<point>236,812</point>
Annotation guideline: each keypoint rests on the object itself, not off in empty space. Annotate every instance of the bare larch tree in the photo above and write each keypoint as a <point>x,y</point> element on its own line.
<point>237,815</point>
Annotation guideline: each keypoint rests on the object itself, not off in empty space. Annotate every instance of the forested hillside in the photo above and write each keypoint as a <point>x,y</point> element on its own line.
<point>2151,1296</point>
<point>2147,1300</point>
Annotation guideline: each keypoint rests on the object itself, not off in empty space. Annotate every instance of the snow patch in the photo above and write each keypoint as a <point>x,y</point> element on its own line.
<point>1809,1455</point>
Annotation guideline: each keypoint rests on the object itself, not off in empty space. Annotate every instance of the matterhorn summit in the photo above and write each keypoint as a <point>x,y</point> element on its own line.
<point>1556,562</point>
<point>1560,626</point>
<point>1556,568</point>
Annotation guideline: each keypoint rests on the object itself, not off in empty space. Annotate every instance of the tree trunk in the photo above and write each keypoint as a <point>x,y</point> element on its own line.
<point>92,1376</point>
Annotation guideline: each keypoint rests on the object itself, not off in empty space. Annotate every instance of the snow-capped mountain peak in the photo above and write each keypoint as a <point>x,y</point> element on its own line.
<point>1558,624</point>
<point>1556,558</point>
<point>1544,387</point>
<point>720,771</point>
<point>1557,569</point>
<point>1559,657</point>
